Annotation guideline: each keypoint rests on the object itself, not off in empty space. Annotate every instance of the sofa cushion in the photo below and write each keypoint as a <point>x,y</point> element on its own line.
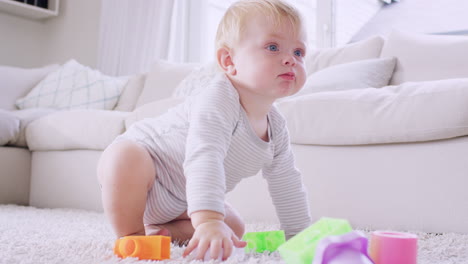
<point>131,92</point>
<point>354,75</point>
<point>9,127</point>
<point>15,167</point>
<point>26,116</point>
<point>162,79</point>
<point>75,129</point>
<point>410,112</point>
<point>74,86</point>
<point>17,82</point>
<point>426,57</point>
<point>366,49</point>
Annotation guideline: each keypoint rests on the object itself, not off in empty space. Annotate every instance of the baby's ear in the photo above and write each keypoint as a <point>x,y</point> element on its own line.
<point>224,57</point>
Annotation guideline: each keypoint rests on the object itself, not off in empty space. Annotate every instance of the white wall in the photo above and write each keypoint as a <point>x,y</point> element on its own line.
<point>32,43</point>
<point>21,41</point>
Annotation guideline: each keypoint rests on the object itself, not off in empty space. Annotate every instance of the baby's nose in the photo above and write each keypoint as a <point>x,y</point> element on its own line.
<point>289,60</point>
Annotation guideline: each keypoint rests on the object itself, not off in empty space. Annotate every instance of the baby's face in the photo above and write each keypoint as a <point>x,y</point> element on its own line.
<point>269,59</point>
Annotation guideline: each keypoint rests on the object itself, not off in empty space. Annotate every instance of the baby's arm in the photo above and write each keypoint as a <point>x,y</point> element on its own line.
<point>285,185</point>
<point>213,117</point>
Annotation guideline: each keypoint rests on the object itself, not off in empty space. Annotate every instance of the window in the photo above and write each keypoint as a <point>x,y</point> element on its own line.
<point>339,20</point>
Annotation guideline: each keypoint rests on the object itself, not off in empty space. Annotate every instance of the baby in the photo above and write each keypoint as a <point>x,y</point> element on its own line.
<point>169,175</point>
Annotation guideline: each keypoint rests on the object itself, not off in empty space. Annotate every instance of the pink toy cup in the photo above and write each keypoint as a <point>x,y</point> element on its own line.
<point>393,248</point>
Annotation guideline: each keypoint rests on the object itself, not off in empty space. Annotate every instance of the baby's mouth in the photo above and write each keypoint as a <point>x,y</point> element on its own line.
<point>288,76</point>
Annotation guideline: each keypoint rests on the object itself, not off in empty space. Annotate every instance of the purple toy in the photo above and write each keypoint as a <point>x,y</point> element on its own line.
<point>350,248</point>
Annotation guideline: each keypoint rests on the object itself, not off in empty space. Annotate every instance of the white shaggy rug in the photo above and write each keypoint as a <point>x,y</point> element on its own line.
<point>31,235</point>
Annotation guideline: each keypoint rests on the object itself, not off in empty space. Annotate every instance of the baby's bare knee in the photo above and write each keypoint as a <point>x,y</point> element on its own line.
<point>125,161</point>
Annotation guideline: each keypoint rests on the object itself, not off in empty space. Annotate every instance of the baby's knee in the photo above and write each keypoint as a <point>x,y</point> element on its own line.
<point>125,161</point>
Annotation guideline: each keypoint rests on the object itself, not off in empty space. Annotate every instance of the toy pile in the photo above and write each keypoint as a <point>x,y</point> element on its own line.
<point>328,241</point>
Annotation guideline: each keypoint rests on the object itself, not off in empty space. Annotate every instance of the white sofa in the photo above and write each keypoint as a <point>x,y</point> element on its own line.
<point>400,183</point>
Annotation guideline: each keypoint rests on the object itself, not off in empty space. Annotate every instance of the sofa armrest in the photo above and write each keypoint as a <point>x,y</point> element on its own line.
<point>75,129</point>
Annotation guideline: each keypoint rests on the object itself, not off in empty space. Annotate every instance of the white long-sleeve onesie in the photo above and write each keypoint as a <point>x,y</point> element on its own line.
<point>205,146</point>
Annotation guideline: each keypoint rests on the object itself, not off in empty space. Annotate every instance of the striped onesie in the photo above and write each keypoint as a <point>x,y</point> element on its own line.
<point>205,146</point>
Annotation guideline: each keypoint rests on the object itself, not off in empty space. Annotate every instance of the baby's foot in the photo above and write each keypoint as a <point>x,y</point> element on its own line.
<point>180,231</point>
<point>157,230</point>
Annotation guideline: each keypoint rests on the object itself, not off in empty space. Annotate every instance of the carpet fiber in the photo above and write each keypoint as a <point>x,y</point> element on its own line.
<point>31,235</point>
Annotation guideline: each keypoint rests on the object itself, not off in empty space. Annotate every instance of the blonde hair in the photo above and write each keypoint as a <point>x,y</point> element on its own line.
<point>236,17</point>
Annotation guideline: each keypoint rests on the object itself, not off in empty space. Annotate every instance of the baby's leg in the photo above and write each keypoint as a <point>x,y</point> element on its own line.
<point>181,229</point>
<point>126,172</point>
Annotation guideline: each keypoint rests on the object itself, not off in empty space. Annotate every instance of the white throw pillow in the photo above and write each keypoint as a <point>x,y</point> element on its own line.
<point>162,79</point>
<point>199,78</point>
<point>427,57</point>
<point>17,82</point>
<point>322,58</point>
<point>9,127</point>
<point>410,112</point>
<point>74,86</point>
<point>355,75</point>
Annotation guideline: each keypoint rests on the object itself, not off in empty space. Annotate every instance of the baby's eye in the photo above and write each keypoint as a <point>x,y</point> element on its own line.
<point>272,47</point>
<point>298,53</point>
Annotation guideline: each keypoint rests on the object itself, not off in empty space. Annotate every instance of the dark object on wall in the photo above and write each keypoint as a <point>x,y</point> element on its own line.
<point>42,3</point>
<point>38,3</point>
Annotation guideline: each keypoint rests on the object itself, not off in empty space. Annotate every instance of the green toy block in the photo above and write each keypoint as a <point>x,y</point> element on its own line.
<point>301,247</point>
<point>264,241</point>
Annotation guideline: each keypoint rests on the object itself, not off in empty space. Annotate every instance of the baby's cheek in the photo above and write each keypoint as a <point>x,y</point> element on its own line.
<point>301,78</point>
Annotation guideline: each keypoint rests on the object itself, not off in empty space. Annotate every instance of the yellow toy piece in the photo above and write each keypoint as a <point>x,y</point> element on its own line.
<point>143,247</point>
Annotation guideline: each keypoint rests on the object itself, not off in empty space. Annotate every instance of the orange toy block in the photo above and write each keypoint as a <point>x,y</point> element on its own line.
<point>143,247</point>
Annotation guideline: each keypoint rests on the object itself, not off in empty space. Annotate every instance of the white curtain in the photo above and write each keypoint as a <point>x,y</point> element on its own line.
<point>135,33</point>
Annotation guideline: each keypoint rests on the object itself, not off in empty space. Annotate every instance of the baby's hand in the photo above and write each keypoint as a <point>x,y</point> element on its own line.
<point>213,234</point>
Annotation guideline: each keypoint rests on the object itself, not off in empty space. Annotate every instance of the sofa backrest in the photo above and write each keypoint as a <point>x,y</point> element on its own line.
<point>162,79</point>
<point>16,82</point>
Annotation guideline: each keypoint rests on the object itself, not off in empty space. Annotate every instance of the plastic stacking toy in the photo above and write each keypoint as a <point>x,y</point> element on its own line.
<point>350,248</point>
<point>393,247</point>
<point>144,247</point>
<point>301,248</point>
<point>264,241</point>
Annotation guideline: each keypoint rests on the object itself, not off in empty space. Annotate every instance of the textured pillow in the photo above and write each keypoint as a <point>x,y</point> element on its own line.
<point>427,57</point>
<point>74,86</point>
<point>360,74</point>
<point>200,77</point>
<point>17,82</point>
<point>162,79</point>
<point>410,112</point>
<point>9,127</point>
<point>131,92</point>
<point>322,58</point>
